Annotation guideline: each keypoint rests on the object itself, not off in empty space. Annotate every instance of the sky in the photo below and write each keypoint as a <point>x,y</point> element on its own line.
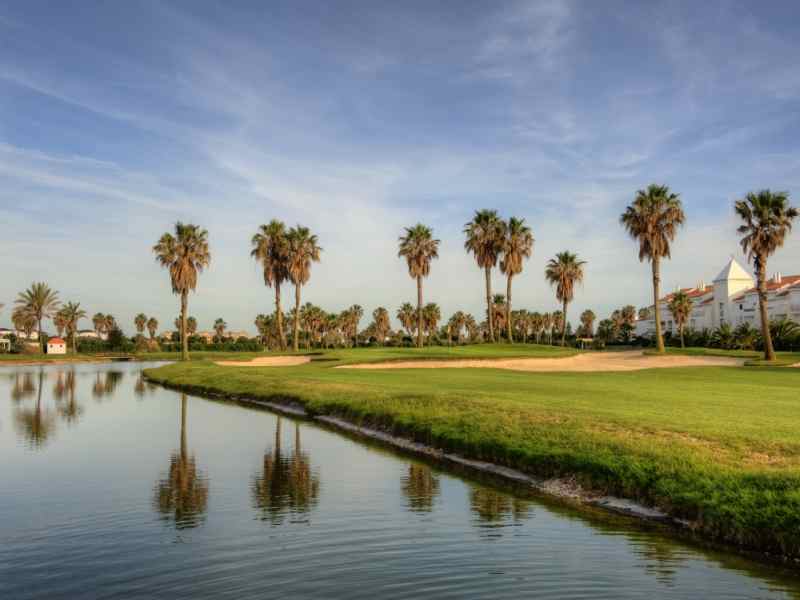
<point>357,119</point>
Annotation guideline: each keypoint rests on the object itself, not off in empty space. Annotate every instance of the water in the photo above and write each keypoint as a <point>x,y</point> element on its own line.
<point>113,488</point>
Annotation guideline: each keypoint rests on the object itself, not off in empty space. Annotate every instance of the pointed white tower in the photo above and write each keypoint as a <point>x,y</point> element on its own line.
<point>731,281</point>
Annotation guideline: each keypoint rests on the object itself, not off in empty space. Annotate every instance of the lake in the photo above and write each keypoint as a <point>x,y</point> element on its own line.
<point>116,488</point>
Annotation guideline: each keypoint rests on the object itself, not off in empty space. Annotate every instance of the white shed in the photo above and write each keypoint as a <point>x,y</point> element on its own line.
<point>56,345</point>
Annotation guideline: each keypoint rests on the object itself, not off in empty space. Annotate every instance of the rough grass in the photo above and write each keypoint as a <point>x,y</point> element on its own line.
<point>717,446</point>
<point>756,359</point>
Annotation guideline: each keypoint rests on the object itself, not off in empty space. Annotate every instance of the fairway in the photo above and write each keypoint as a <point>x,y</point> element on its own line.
<point>718,446</point>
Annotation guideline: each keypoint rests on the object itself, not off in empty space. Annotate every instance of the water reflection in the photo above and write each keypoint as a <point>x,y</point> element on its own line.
<point>105,384</point>
<point>495,510</point>
<point>35,424</point>
<point>64,392</point>
<point>420,488</point>
<point>285,484</point>
<point>182,496</point>
<point>23,386</point>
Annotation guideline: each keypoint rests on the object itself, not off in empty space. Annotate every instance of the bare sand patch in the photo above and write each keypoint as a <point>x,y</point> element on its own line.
<point>589,362</point>
<point>267,361</point>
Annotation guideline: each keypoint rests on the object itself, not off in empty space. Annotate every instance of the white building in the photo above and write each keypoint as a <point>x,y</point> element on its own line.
<point>56,345</point>
<point>732,299</point>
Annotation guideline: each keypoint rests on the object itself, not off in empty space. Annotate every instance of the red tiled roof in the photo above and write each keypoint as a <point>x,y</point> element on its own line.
<point>772,285</point>
<point>56,340</point>
<point>692,293</point>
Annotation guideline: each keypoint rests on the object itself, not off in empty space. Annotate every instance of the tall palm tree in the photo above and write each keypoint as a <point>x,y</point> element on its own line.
<point>140,322</point>
<point>517,247</point>
<point>185,254</point>
<point>406,314</point>
<point>73,313</point>
<point>40,302</point>
<point>219,328</point>
<point>563,272</point>
<point>587,322</point>
<point>271,249</point>
<point>419,248</point>
<point>302,251</point>
<point>152,327</point>
<point>653,220</point>
<point>485,236</point>
<point>767,220</point>
<point>681,308</point>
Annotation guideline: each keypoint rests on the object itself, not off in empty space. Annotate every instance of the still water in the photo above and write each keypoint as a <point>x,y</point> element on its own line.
<point>115,488</point>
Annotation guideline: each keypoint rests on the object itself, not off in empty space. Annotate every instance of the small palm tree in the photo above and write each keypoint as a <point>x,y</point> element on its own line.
<point>517,247</point>
<point>219,327</point>
<point>271,249</point>
<point>767,220</point>
<point>191,326</point>
<point>431,315</point>
<point>140,322</point>
<point>98,322</point>
<point>485,237</point>
<point>152,327</point>
<point>39,302</point>
<point>185,254</point>
<point>73,313</point>
<point>681,308</point>
<point>587,322</point>
<point>382,325</point>
<point>406,314</point>
<point>302,250</point>
<point>563,272</point>
<point>653,220</point>
<point>419,248</point>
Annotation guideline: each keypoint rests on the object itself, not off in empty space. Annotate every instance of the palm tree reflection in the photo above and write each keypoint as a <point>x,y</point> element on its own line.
<point>494,510</point>
<point>183,495</point>
<point>70,410</point>
<point>105,384</point>
<point>35,424</point>
<point>23,387</point>
<point>286,484</point>
<point>420,487</point>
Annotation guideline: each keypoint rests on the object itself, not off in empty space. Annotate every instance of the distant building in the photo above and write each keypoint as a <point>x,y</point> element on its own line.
<point>90,334</point>
<point>235,335</point>
<point>5,344</point>
<point>732,298</point>
<point>56,345</point>
<point>20,334</point>
<point>207,336</point>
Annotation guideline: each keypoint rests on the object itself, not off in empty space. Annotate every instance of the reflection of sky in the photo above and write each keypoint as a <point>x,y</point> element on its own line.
<point>83,503</point>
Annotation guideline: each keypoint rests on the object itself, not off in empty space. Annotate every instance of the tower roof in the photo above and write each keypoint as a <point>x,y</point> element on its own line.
<point>733,271</point>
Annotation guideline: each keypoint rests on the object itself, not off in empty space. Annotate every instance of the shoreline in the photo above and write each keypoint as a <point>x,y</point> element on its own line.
<point>565,490</point>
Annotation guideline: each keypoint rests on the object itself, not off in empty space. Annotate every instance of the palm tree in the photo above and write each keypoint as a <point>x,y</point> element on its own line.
<point>152,327</point>
<point>98,322</point>
<point>23,320</point>
<point>40,302</point>
<point>219,327</point>
<point>587,322</point>
<point>185,254</point>
<point>517,247</point>
<point>73,313</point>
<point>767,220</point>
<point>191,326</point>
<point>471,326</point>
<point>418,247</point>
<point>302,250</point>
<point>60,322</point>
<point>431,315</point>
<point>406,314</point>
<point>681,308</point>
<point>499,312</point>
<point>563,272</point>
<point>653,220</point>
<point>485,238</point>
<point>271,249</point>
<point>140,322</point>
<point>382,325</point>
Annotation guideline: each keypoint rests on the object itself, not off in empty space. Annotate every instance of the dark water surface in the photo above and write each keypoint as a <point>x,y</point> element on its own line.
<point>113,488</point>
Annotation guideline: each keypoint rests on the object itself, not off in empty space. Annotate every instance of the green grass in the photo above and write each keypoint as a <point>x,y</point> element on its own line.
<point>755,359</point>
<point>718,446</point>
<point>38,357</point>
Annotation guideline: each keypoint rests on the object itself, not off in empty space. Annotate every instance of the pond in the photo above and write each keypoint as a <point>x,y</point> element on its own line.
<point>116,488</point>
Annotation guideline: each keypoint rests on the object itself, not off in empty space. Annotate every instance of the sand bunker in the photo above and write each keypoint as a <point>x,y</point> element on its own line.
<point>268,361</point>
<point>605,361</point>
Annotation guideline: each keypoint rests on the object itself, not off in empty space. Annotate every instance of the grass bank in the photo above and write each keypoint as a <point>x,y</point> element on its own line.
<point>754,358</point>
<point>717,446</point>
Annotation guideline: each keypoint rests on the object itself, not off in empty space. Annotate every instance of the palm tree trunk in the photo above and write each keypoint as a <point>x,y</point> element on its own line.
<point>41,337</point>
<point>683,345</point>
<point>564,327</point>
<point>419,312</point>
<point>184,451</point>
<point>489,302</point>
<point>296,337</point>
<point>508,310</point>
<point>184,337</point>
<point>279,316</point>
<point>656,309</point>
<point>769,350</point>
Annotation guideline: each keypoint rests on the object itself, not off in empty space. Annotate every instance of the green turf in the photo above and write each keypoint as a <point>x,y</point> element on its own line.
<point>719,446</point>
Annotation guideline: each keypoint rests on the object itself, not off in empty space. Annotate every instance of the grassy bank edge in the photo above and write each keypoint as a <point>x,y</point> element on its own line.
<point>770,545</point>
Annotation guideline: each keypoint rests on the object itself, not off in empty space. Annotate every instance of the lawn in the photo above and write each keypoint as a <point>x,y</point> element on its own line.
<point>718,446</point>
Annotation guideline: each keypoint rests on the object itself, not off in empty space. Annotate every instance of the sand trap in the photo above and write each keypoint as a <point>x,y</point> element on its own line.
<point>267,361</point>
<point>606,361</point>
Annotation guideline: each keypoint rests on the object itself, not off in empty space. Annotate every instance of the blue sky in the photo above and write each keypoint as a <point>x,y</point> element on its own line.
<point>356,119</point>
